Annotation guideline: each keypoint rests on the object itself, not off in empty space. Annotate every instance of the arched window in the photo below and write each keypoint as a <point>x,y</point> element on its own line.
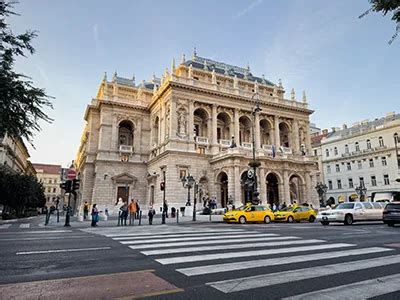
<point>284,133</point>
<point>357,146</point>
<point>327,152</point>
<point>125,133</point>
<point>381,143</point>
<point>346,148</point>
<point>335,151</point>
<point>368,144</point>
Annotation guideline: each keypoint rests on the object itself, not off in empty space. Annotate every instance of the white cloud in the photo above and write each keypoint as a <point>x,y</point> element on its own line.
<point>248,8</point>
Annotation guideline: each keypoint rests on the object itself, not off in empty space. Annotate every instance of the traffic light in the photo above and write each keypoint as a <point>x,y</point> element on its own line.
<point>76,184</point>
<point>162,185</point>
<point>68,186</point>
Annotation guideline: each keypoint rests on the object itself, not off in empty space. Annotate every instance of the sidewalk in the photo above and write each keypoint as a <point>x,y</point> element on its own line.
<point>113,221</point>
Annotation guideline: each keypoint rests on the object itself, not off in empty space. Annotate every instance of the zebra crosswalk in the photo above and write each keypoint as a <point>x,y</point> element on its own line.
<point>202,253</point>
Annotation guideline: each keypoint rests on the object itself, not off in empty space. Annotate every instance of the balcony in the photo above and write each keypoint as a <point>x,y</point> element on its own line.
<point>126,149</point>
<point>286,150</point>
<point>201,140</point>
<point>247,145</point>
<point>224,143</point>
<point>267,148</point>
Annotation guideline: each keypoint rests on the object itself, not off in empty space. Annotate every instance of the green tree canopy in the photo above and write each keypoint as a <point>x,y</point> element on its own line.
<point>21,104</point>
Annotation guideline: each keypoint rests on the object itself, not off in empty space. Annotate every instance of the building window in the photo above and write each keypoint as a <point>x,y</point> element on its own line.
<point>327,152</point>
<point>384,162</point>
<point>54,190</point>
<point>371,162</point>
<point>368,144</point>
<point>346,148</point>
<point>337,168</point>
<point>351,185</point>
<point>348,166</point>
<point>359,163</point>
<point>362,181</point>
<point>381,143</point>
<point>335,151</point>
<point>182,173</point>
<point>50,182</point>
<point>201,150</point>
<point>373,180</point>
<point>357,146</point>
<point>339,184</point>
<point>386,179</point>
<point>330,184</point>
<point>328,169</point>
<point>125,133</point>
<point>315,153</point>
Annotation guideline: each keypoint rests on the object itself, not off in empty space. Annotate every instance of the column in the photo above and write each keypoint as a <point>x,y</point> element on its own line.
<point>231,184</point>
<point>214,114</point>
<point>162,122</point>
<point>307,193</point>
<point>295,134</point>
<point>286,189</point>
<point>308,139</point>
<point>173,119</point>
<point>237,128</point>
<point>238,189</point>
<point>114,134</point>
<point>277,137</point>
<point>190,120</point>
<point>262,186</point>
<point>257,131</point>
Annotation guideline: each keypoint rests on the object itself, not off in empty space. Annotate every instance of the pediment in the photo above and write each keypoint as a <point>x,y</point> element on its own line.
<point>124,178</point>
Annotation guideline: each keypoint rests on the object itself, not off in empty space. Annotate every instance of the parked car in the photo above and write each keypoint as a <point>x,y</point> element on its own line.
<point>391,213</point>
<point>351,212</point>
<point>249,213</point>
<point>296,213</point>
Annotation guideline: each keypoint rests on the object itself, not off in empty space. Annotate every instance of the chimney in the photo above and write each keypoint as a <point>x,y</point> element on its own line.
<point>344,126</point>
<point>325,131</point>
<point>333,129</point>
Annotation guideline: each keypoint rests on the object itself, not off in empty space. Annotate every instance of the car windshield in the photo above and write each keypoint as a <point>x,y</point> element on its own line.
<point>242,207</point>
<point>345,206</point>
<point>287,209</point>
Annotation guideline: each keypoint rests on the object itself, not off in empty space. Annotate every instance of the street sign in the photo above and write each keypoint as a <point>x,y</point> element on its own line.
<point>71,175</point>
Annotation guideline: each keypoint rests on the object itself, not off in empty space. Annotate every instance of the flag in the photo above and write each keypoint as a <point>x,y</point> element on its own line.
<point>273,151</point>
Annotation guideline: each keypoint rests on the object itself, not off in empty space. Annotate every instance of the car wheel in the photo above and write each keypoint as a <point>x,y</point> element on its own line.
<point>311,219</point>
<point>290,219</point>
<point>267,220</point>
<point>242,220</point>
<point>348,220</point>
<point>391,224</point>
<point>325,223</point>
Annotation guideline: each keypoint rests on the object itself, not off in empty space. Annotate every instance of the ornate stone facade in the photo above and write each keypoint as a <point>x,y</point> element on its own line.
<point>189,122</point>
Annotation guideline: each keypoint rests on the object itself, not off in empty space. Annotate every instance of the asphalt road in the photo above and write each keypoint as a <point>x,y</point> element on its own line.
<point>203,260</point>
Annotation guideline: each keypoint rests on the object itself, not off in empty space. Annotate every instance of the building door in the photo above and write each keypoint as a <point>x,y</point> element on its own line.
<point>272,189</point>
<point>123,192</point>
<point>152,195</point>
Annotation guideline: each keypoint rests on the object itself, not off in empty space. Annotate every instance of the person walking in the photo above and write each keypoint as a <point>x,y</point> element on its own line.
<point>132,211</point>
<point>137,208</point>
<point>124,213</point>
<point>95,215</point>
<point>151,214</point>
<point>274,207</point>
<point>85,210</point>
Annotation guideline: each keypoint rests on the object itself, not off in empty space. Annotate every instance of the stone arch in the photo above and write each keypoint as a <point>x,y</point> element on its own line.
<point>245,129</point>
<point>126,130</point>
<point>297,188</point>
<point>272,182</point>
<point>156,130</point>
<point>284,134</point>
<point>201,119</point>
<point>224,122</point>
<point>266,132</point>
<point>204,191</point>
<point>222,188</point>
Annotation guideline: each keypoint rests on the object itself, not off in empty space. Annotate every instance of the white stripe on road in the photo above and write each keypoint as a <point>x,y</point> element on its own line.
<point>158,232</point>
<point>243,265</point>
<point>192,234</point>
<point>236,246</point>
<point>366,289</point>
<point>231,237</point>
<point>264,280</point>
<point>24,225</point>
<point>229,255</point>
<point>63,250</point>
<point>44,231</point>
<point>5,226</point>
<point>226,241</point>
<point>47,238</point>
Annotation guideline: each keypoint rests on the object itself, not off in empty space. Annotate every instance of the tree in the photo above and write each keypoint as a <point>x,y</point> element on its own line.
<point>386,6</point>
<point>21,104</point>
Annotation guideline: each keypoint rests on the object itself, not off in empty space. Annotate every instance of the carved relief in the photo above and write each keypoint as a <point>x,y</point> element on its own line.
<point>182,121</point>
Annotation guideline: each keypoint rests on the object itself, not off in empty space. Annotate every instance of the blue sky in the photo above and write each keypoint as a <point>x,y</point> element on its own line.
<point>345,64</point>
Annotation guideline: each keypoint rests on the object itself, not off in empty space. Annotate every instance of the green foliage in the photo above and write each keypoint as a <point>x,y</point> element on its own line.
<point>21,104</point>
<point>386,6</point>
<point>19,191</point>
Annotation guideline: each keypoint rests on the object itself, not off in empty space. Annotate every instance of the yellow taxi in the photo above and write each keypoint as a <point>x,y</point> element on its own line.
<point>249,213</point>
<point>295,213</point>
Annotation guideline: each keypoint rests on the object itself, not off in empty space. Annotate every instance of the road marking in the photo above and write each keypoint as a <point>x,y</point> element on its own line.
<point>47,238</point>
<point>227,241</point>
<point>130,237</point>
<point>153,241</point>
<point>24,225</point>
<point>360,290</point>
<point>43,231</point>
<point>63,250</point>
<point>236,246</point>
<point>5,226</point>
<point>159,232</point>
<point>253,282</point>
<point>229,255</point>
<point>243,265</point>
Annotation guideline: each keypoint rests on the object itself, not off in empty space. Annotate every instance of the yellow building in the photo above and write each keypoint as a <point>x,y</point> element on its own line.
<point>196,119</point>
<point>49,175</point>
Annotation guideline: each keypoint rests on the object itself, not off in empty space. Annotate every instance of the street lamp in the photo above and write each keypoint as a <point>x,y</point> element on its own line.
<point>361,190</point>
<point>188,182</point>
<point>396,141</point>
<point>254,164</point>
<point>164,212</point>
<point>321,190</point>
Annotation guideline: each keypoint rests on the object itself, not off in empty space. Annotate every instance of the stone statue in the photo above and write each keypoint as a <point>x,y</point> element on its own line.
<point>182,122</point>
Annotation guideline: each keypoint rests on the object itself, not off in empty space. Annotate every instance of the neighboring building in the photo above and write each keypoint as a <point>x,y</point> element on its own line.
<point>183,124</point>
<point>362,154</point>
<point>15,155</point>
<point>317,152</point>
<point>49,175</point>
<point>314,130</point>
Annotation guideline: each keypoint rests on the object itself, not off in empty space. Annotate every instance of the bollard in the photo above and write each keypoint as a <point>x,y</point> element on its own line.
<point>177,216</point>
<point>58,216</point>
<point>119,218</point>
<point>47,218</point>
<point>210,215</point>
<point>140,217</point>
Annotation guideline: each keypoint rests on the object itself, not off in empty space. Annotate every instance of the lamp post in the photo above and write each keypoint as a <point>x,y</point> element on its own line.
<point>164,212</point>
<point>321,190</point>
<point>361,190</point>
<point>188,182</point>
<point>254,164</point>
<point>396,141</point>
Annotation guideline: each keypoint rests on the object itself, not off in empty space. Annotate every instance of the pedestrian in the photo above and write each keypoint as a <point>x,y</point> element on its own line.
<point>283,205</point>
<point>85,210</point>
<point>124,213</point>
<point>132,211</point>
<point>306,204</point>
<point>95,215</point>
<point>166,209</point>
<point>137,208</point>
<point>151,214</point>
<point>274,207</point>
